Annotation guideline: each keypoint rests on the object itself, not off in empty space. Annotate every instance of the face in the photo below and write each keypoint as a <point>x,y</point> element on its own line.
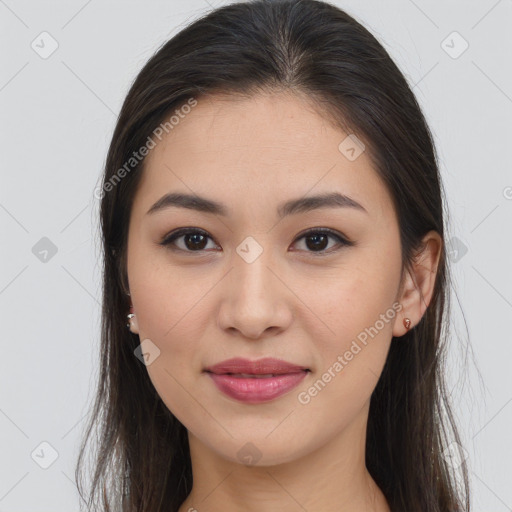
<point>258,280</point>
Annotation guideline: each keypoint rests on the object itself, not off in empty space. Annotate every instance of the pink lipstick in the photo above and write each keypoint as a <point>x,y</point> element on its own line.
<point>256,381</point>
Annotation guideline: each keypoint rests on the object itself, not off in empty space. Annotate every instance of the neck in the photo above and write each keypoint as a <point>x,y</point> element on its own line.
<point>331,478</point>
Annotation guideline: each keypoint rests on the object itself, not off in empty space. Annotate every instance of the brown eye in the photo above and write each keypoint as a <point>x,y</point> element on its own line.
<point>317,240</point>
<point>194,240</point>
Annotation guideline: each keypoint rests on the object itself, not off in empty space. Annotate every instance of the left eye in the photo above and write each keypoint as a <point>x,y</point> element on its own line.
<point>195,240</point>
<point>317,240</point>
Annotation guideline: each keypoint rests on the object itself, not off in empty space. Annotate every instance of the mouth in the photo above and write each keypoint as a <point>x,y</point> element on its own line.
<point>263,368</point>
<point>254,382</point>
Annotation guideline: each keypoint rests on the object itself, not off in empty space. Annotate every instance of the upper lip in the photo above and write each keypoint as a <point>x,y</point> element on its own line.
<point>263,366</point>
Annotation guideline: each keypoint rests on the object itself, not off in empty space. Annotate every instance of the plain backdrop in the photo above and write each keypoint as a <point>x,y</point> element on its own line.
<point>58,112</point>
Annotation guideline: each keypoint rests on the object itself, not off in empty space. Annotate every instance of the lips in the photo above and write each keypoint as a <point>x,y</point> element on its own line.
<point>266,367</point>
<point>254,382</point>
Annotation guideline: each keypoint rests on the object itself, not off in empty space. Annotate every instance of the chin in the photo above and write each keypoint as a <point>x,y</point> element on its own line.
<point>258,452</point>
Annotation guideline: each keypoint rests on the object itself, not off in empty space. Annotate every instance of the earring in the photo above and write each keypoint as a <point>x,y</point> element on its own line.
<point>130,316</point>
<point>407,323</point>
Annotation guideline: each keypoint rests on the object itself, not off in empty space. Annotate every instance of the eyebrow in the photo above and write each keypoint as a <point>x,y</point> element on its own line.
<point>292,207</point>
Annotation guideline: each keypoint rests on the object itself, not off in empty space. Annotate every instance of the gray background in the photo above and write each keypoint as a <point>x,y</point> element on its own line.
<point>58,114</point>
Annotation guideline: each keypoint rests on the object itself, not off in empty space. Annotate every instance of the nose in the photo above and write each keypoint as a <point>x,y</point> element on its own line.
<point>255,300</point>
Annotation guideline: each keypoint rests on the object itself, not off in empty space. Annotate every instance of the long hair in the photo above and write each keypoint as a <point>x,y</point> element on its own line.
<point>142,461</point>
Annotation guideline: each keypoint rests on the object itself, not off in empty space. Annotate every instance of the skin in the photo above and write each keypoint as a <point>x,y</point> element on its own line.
<point>200,308</point>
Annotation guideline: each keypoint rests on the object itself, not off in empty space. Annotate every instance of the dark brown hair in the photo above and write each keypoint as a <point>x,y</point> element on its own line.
<point>311,48</point>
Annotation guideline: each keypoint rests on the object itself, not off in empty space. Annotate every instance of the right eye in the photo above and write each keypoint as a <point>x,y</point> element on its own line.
<point>194,240</point>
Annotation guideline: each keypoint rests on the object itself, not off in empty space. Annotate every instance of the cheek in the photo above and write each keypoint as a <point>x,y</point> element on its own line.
<point>351,358</point>
<point>350,303</point>
<point>174,325</point>
<point>166,297</point>
<point>355,322</point>
<point>173,316</point>
<point>172,310</point>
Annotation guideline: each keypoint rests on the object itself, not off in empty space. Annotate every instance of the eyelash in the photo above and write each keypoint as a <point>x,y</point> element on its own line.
<point>169,239</point>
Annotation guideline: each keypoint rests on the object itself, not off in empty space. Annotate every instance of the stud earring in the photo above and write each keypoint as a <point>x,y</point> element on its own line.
<point>407,323</point>
<point>130,316</point>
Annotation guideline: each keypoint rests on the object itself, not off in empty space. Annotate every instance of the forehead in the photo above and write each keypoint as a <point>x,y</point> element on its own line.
<point>246,151</point>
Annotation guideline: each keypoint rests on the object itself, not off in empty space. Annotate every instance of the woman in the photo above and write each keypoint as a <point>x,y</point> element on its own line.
<point>272,226</point>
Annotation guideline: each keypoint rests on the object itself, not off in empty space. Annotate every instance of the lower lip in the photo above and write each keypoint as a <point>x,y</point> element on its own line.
<point>257,390</point>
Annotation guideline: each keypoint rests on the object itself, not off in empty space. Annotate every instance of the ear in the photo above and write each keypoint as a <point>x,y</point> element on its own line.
<point>418,285</point>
